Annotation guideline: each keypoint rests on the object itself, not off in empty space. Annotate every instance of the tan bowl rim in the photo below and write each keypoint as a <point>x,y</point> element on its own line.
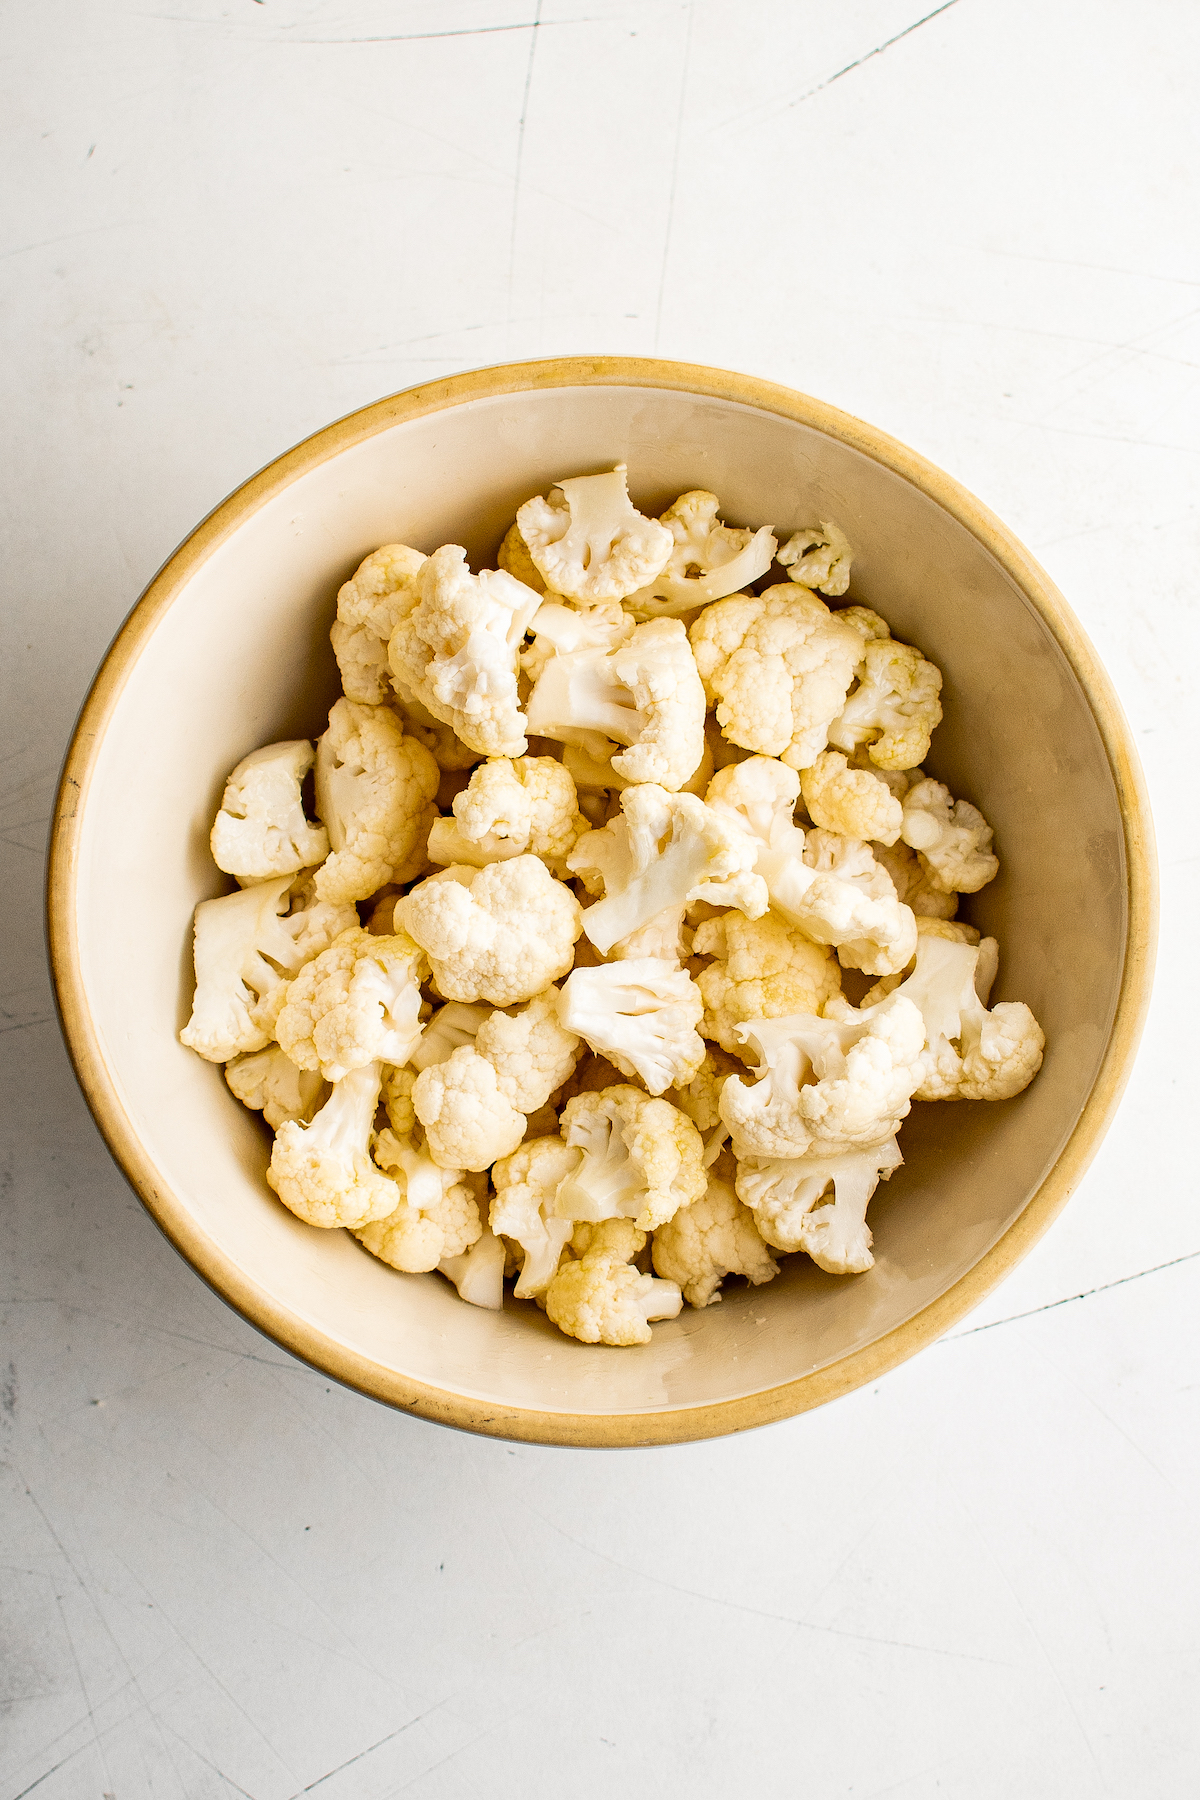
<point>619,1429</point>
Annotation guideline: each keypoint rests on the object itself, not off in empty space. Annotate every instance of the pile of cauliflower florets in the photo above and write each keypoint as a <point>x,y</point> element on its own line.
<point>571,1010</point>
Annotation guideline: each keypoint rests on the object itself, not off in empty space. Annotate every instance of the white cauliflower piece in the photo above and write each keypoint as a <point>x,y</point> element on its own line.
<point>854,802</point>
<point>601,1299</point>
<point>763,969</point>
<point>243,953</point>
<point>437,1215</point>
<point>828,887</point>
<point>514,558</point>
<point>468,1121</point>
<point>559,629</point>
<point>588,540</point>
<point>777,666</point>
<point>532,1050</point>
<point>783,1197</point>
<point>665,937</point>
<point>456,651</point>
<point>311,923</point>
<point>714,1237</point>
<point>510,808</point>
<point>445,746</point>
<point>708,562</point>
<point>646,694</point>
<point>700,1098</point>
<point>261,829</point>
<point>914,882</point>
<point>642,1015</point>
<point>479,1274</point>
<point>895,707</point>
<point>381,592</point>
<point>451,1025</point>
<point>642,1158</point>
<point>999,1052</point>
<point>666,851</point>
<point>375,793</point>
<point>502,933</point>
<point>838,1082</point>
<point>951,837</point>
<point>323,1172</point>
<point>819,557</point>
<point>269,1082</point>
<point>523,1208</point>
<point>358,1002</point>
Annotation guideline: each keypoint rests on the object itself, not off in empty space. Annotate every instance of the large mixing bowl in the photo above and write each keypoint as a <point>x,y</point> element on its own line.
<point>228,649</point>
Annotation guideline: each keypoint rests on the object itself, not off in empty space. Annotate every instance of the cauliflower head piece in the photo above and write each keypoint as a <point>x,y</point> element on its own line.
<point>783,1196</point>
<point>523,1208</point>
<point>531,1049</point>
<point>895,707</point>
<point>714,1237</point>
<point>269,1082</point>
<point>323,1172</point>
<point>914,882</point>
<point>853,802</point>
<point>261,829</point>
<point>819,556</point>
<point>666,851</point>
<point>600,1298</point>
<point>952,838</point>
<point>243,955</point>
<point>511,808</point>
<point>998,1052</point>
<point>502,933</point>
<point>762,969</point>
<point>468,1121</point>
<point>708,561</point>
<point>700,1098</point>
<point>456,652</point>
<point>642,1158</point>
<point>437,1215</point>
<point>588,540</point>
<point>777,666</point>
<point>359,1002</point>
<point>375,793</point>
<point>641,1013</point>
<point>381,592</point>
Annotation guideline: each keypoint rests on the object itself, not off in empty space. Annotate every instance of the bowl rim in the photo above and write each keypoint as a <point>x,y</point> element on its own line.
<point>443,1406</point>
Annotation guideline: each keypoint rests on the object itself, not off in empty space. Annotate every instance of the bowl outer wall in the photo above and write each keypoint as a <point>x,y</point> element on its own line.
<point>618,1428</point>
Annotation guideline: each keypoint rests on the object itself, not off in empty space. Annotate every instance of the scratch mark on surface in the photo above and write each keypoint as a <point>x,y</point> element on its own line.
<point>420,37</point>
<point>1070,1299</point>
<point>369,1751</point>
<point>47,1773</point>
<point>516,199</point>
<point>227,1779</point>
<point>878,51</point>
<point>666,255</point>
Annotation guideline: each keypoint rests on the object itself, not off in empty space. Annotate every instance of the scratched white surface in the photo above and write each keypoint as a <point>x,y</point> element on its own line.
<point>226,224</point>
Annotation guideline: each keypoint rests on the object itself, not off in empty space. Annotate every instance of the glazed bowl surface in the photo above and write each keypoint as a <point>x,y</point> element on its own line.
<point>228,649</point>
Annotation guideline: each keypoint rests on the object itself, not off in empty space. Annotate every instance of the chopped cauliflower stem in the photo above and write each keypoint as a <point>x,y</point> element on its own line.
<point>548,1000</point>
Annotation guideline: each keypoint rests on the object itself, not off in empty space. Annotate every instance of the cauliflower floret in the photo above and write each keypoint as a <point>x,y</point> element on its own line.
<point>456,651</point>
<point>451,1025</point>
<point>666,851</point>
<point>819,557</point>
<point>375,793</point>
<point>600,1299</point>
<point>381,592</point>
<point>952,838</point>
<point>642,1014</point>
<point>502,933</point>
<point>437,1215</point>
<point>645,694</point>
<point>777,666</point>
<point>828,887</point>
<point>783,1198</point>
<point>323,1172</point>
<point>523,1208</point>
<point>999,1051</point>
<point>700,1098</point>
<point>714,1237</point>
<point>764,969</point>
<point>261,829</point>
<point>313,924</point>
<point>514,558</point>
<point>914,883</point>
<point>358,1002</point>
<point>447,749</point>
<point>588,540</point>
<point>479,1274</point>
<point>666,937</point>
<point>838,1082</point>
<point>468,1121</point>
<point>853,802</point>
<point>955,931</point>
<point>895,707</point>
<point>642,1158</point>
<point>708,562</point>
<point>243,953</point>
<point>396,1096</point>
<point>560,629</point>
<point>510,808</point>
<point>531,1050</point>
<point>269,1082</point>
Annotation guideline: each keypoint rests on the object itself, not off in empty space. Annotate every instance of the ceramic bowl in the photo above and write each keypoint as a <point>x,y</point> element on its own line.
<point>228,649</point>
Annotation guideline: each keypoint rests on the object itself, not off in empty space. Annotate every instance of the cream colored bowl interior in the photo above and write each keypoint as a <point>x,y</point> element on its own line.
<point>240,658</point>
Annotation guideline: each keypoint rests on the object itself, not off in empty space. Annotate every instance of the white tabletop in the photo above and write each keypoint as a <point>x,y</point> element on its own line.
<point>227,222</point>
